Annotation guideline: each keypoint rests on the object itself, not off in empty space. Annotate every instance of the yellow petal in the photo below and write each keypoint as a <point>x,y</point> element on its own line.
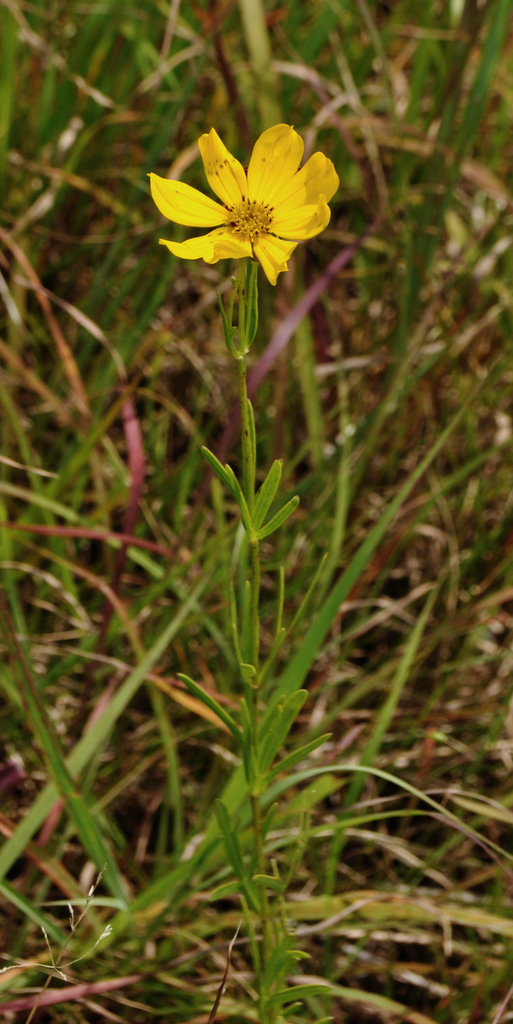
<point>317,177</point>
<point>273,254</point>
<point>275,159</point>
<point>303,223</point>
<point>226,176</point>
<point>217,245</point>
<point>185,205</point>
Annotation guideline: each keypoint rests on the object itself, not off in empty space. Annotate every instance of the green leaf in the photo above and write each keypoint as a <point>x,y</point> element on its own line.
<point>235,488</point>
<point>231,841</point>
<point>248,672</point>
<point>82,816</point>
<point>252,431</point>
<point>285,1014</point>
<point>219,470</point>
<point>268,882</point>
<point>279,518</point>
<point>266,494</point>
<point>227,476</point>
<point>213,704</point>
<point>276,732</point>
<point>247,630</point>
<point>234,622</point>
<point>298,755</point>
<point>234,854</point>
<point>287,995</point>
<point>228,889</point>
<point>281,963</point>
<point>92,740</point>
<point>32,913</point>
<point>298,668</point>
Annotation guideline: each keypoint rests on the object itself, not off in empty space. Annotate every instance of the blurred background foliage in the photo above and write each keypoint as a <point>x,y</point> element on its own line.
<point>112,374</point>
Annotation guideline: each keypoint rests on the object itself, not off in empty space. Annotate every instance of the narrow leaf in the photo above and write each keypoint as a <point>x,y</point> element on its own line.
<point>231,841</point>
<point>266,494</point>
<point>298,668</point>
<point>247,631</point>
<point>219,470</point>
<point>213,704</point>
<point>252,431</point>
<point>288,995</point>
<point>234,622</point>
<point>235,488</point>
<point>228,889</point>
<point>47,739</point>
<point>27,907</point>
<point>268,882</point>
<point>272,738</point>
<point>279,518</point>
<point>298,755</point>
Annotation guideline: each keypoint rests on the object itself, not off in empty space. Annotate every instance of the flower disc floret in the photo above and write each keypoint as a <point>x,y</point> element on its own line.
<point>251,219</point>
<point>263,213</point>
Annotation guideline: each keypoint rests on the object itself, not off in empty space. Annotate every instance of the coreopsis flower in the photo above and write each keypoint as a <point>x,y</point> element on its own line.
<point>263,212</point>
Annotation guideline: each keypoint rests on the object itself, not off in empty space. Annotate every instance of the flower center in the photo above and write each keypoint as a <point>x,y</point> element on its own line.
<point>250,218</point>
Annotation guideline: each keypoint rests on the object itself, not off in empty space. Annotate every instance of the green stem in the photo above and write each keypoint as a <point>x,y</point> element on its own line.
<point>248,466</point>
<point>266,945</point>
<point>254,548</point>
<point>246,286</point>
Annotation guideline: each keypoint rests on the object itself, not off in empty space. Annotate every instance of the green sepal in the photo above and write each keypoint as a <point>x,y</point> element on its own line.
<point>268,882</point>
<point>228,329</point>
<point>213,704</point>
<point>298,755</point>
<point>279,518</point>
<point>287,995</point>
<point>266,493</point>
<point>278,729</point>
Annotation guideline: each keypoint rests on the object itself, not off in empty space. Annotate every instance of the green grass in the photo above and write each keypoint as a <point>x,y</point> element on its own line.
<point>390,405</point>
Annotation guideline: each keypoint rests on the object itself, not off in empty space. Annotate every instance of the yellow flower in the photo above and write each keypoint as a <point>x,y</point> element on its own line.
<point>264,213</point>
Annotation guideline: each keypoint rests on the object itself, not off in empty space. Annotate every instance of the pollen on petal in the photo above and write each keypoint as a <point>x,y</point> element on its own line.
<point>225,175</point>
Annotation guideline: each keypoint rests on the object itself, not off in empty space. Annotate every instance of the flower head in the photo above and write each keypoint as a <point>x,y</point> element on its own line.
<point>263,213</point>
